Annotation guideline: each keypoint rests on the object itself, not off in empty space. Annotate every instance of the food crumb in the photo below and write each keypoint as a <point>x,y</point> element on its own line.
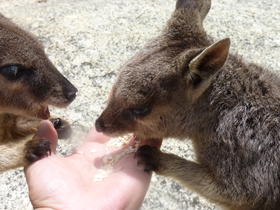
<point>121,141</point>
<point>110,160</point>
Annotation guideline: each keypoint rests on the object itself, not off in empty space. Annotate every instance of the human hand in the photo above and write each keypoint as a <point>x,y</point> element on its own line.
<point>68,182</point>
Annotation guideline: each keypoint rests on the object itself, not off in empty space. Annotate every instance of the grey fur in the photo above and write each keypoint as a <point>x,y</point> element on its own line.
<point>183,85</point>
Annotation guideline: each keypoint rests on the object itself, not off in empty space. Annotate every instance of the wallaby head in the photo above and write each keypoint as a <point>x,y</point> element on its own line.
<point>29,81</point>
<point>157,88</point>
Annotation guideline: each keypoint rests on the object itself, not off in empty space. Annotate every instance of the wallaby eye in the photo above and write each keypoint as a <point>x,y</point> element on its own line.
<point>12,72</point>
<point>140,111</point>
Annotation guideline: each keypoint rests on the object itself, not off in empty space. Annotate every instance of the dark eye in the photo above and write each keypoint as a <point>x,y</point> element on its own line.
<point>140,111</point>
<point>12,72</point>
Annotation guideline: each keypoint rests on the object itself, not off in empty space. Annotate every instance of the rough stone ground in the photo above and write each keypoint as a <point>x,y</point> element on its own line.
<point>88,40</point>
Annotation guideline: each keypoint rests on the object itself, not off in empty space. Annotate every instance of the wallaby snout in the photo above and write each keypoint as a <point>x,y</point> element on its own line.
<point>117,126</point>
<point>71,94</point>
<point>99,125</point>
<point>60,92</point>
<point>69,91</point>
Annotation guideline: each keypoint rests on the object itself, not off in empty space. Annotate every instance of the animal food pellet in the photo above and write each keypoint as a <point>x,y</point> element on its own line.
<point>110,160</point>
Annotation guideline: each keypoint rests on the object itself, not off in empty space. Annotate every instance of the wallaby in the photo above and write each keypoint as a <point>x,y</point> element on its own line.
<point>29,82</point>
<point>182,85</point>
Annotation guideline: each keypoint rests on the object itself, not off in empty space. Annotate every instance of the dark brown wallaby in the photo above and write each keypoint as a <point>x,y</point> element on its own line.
<point>182,85</point>
<point>29,82</point>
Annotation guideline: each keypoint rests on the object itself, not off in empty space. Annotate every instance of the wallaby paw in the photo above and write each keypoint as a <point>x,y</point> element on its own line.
<point>62,128</point>
<point>148,156</point>
<point>36,149</point>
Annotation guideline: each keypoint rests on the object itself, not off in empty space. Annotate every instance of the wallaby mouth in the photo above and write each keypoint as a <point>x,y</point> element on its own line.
<point>44,113</point>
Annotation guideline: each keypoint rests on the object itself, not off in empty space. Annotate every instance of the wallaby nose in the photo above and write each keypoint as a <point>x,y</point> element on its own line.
<point>99,126</point>
<point>70,91</point>
<point>71,96</point>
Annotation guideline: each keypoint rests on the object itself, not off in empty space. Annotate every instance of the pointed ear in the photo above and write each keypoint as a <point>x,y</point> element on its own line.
<point>203,6</point>
<point>205,65</point>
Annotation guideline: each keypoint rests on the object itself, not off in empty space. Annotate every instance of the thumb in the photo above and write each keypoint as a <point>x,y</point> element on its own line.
<point>47,131</point>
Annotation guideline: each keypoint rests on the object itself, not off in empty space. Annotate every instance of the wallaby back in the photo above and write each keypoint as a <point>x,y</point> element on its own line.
<point>182,85</point>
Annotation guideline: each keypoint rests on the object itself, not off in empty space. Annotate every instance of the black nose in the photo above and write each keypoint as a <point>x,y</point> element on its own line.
<point>99,126</point>
<point>71,96</point>
<point>69,91</point>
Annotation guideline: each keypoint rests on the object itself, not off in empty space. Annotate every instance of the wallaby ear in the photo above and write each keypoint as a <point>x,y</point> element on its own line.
<point>205,65</point>
<point>203,6</point>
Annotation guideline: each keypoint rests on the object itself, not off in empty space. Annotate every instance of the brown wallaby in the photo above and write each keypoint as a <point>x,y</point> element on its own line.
<point>29,83</point>
<point>182,85</point>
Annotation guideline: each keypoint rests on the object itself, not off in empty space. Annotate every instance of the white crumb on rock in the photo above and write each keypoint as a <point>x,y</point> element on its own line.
<point>110,160</point>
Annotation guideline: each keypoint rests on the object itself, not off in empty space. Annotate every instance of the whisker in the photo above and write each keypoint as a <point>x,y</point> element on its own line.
<point>117,113</point>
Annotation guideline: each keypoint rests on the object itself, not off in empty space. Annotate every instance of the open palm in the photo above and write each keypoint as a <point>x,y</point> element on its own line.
<point>68,182</point>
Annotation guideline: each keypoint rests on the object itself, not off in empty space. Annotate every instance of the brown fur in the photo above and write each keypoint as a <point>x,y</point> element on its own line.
<point>182,85</point>
<point>29,83</point>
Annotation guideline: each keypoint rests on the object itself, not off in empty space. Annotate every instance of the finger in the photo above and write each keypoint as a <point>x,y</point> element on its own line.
<point>47,131</point>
